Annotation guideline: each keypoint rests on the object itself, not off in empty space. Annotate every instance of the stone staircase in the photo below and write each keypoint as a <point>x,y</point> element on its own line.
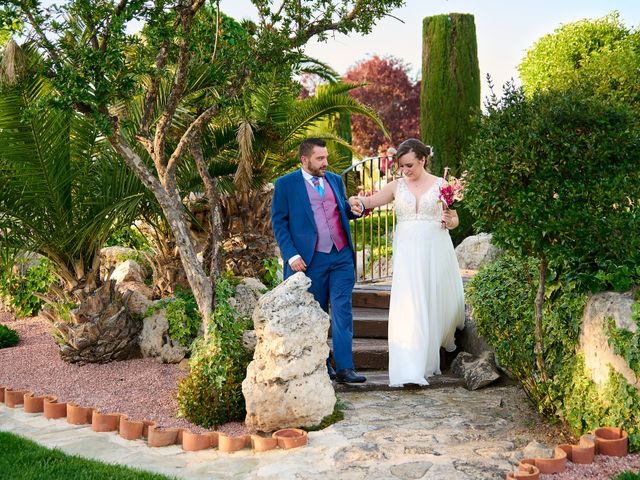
<point>370,317</point>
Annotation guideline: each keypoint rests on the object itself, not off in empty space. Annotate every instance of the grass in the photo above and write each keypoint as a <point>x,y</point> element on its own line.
<point>375,222</point>
<point>26,460</point>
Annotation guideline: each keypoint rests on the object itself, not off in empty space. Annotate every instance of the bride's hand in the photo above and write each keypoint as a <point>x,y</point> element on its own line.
<point>449,218</point>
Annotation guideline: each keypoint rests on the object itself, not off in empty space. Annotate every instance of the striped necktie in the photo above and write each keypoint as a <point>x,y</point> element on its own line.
<point>316,184</point>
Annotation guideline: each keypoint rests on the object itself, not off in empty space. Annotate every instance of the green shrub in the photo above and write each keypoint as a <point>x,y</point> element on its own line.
<point>128,236</point>
<point>271,268</point>
<point>8,337</point>
<point>182,315</point>
<point>501,297</point>
<point>20,290</point>
<point>212,392</point>
<point>628,475</point>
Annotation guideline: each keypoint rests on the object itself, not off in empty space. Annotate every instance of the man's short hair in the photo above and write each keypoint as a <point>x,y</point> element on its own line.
<point>307,146</point>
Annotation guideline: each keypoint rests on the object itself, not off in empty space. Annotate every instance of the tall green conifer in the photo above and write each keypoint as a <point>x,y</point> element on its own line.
<point>450,87</point>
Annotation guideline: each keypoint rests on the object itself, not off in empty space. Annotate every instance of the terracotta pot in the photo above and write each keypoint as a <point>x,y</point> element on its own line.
<point>105,422</point>
<point>291,437</point>
<point>53,409</point>
<point>2,394</point>
<point>192,442</point>
<point>162,438</point>
<point>146,426</point>
<point>582,453</point>
<point>611,441</point>
<point>130,430</point>
<point>525,471</point>
<point>14,398</point>
<point>33,404</point>
<point>79,415</point>
<point>230,444</point>
<point>262,444</point>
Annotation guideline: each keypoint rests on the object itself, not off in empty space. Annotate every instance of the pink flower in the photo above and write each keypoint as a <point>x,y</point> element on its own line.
<point>452,192</point>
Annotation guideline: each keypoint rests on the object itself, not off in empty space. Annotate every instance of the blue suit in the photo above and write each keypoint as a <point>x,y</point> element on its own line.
<point>332,274</point>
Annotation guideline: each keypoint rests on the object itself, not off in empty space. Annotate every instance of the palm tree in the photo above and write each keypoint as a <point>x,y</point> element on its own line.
<point>268,130</point>
<point>64,190</point>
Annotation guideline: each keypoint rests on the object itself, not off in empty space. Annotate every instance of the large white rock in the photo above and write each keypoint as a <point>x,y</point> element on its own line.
<point>476,251</point>
<point>112,256</point>
<point>155,342</point>
<point>598,355</point>
<point>287,383</point>
<point>248,291</point>
<point>129,271</point>
<point>137,296</point>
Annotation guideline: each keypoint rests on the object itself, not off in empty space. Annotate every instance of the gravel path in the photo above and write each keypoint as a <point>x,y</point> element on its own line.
<point>141,388</point>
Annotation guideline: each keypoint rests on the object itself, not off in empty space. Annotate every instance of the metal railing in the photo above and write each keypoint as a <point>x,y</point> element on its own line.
<point>372,234</point>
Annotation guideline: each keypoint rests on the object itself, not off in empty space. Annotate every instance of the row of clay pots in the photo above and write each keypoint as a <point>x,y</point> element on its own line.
<point>156,437</point>
<point>610,441</point>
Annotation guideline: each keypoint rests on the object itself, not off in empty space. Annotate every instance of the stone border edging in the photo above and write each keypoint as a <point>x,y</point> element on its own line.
<point>611,441</point>
<point>156,437</point>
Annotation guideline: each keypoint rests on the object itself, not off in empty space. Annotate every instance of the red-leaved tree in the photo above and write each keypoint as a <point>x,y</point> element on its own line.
<point>393,95</point>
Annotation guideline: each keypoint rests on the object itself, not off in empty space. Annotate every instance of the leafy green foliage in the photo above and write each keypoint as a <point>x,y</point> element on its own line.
<point>556,175</point>
<point>24,459</point>
<point>600,55</point>
<point>63,189</point>
<point>628,475</point>
<point>625,342</point>
<point>182,314</point>
<point>271,268</point>
<point>502,299</point>
<point>20,289</point>
<point>212,392</point>
<point>128,236</point>
<point>8,337</point>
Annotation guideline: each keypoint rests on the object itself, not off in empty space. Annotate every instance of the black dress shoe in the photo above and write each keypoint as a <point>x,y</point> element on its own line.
<point>330,370</point>
<point>349,375</point>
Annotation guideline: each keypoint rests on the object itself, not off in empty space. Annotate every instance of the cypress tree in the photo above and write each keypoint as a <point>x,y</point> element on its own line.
<point>450,92</point>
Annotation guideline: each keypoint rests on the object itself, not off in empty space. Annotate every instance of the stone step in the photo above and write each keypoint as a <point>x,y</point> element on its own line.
<point>371,297</point>
<point>373,354</point>
<point>378,380</point>
<point>369,322</point>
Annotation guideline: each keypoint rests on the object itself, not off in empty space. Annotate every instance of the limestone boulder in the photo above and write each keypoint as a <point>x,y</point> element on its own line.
<point>593,341</point>
<point>155,342</point>
<point>129,271</point>
<point>476,251</point>
<point>249,340</point>
<point>469,339</point>
<point>477,371</point>
<point>137,297</point>
<point>110,257</point>
<point>248,291</point>
<point>287,383</point>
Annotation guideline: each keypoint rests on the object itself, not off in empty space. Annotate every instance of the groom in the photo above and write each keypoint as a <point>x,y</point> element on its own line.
<point>310,219</point>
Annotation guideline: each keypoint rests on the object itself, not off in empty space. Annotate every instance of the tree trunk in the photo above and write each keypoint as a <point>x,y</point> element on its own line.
<point>539,303</point>
<point>172,207</point>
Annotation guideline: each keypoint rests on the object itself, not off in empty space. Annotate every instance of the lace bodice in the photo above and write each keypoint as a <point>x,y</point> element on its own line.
<point>429,208</point>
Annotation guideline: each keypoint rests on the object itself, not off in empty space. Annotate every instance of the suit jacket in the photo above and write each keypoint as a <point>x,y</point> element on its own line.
<point>292,218</point>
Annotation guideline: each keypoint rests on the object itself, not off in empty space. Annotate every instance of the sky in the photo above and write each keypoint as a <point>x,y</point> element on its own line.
<point>505,30</point>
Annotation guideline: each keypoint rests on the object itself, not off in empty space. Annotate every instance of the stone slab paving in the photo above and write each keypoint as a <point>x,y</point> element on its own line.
<point>430,433</point>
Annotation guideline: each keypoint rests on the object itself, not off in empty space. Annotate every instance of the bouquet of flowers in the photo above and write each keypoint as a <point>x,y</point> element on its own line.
<point>452,193</point>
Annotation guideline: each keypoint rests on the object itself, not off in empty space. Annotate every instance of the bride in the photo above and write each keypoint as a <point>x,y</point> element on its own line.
<point>427,303</point>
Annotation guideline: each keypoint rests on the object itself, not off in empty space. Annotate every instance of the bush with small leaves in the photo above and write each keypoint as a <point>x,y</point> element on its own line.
<point>8,337</point>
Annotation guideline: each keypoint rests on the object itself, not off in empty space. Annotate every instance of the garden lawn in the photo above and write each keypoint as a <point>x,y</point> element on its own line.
<point>24,459</point>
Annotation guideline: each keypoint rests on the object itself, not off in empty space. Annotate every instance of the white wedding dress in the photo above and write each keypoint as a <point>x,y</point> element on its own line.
<point>427,299</point>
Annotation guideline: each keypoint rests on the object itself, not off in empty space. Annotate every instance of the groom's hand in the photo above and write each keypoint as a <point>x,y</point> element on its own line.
<point>298,265</point>
<point>356,205</point>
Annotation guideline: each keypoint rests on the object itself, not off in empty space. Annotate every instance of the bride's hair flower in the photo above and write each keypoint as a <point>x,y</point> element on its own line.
<point>453,191</point>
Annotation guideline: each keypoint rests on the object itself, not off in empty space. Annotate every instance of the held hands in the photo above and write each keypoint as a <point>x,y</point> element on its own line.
<point>356,205</point>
